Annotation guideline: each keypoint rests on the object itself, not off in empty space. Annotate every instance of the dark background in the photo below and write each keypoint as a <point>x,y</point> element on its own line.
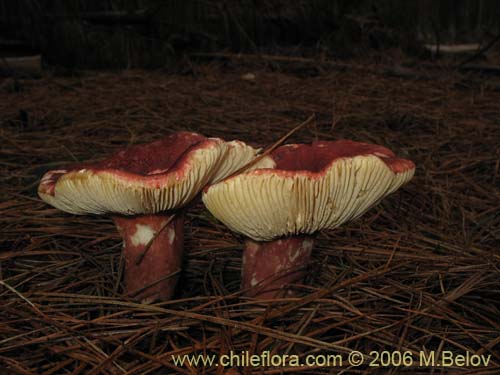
<point>152,33</point>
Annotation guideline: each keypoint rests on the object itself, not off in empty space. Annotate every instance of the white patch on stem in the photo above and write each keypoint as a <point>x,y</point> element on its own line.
<point>142,235</point>
<point>294,254</point>
<point>253,281</point>
<point>171,235</point>
<point>308,244</point>
<point>304,248</point>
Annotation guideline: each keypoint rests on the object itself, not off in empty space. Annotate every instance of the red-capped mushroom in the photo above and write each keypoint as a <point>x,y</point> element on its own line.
<point>143,188</point>
<point>311,187</point>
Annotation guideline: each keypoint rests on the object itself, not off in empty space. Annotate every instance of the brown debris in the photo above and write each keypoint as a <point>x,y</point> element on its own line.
<point>418,272</point>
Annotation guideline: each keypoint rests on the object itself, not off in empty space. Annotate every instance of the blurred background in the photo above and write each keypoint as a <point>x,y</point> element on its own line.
<point>151,33</point>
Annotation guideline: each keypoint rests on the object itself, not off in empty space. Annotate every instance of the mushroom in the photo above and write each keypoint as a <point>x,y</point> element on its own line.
<point>144,189</point>
<point>311,187</point>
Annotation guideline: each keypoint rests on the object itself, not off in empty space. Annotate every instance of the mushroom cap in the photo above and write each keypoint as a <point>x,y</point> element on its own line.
<point>147,178</point>
<point>312,187</point>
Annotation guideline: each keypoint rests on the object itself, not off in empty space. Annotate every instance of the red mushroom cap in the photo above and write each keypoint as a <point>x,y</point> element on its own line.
<point>146,178</point>
<point>321,154</point>
<point>312,187</point>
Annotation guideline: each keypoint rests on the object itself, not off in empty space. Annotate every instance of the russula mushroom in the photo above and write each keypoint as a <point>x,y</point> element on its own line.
<point>144,189</point>
<point>311,187</point>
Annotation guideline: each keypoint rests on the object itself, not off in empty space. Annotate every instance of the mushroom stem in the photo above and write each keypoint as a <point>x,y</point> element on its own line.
<point>269,267</point>
<point>152,250</point>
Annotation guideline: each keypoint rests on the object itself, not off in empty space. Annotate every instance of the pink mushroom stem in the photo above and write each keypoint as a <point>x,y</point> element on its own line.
<point>270,267</point>
<point>152,249</point>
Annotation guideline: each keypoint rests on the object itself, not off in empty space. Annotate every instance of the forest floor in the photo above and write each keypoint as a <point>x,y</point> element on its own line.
<point>418,273</point>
